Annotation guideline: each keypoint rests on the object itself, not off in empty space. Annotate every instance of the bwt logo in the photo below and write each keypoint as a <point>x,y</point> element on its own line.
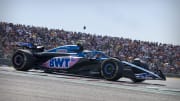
<point>59,62</point>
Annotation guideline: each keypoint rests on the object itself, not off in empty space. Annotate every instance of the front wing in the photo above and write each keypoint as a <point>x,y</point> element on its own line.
<point>145,74</point>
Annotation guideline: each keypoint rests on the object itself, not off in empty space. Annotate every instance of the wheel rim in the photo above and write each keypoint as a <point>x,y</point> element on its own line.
<point>109,70</point>
<point>18,60</point>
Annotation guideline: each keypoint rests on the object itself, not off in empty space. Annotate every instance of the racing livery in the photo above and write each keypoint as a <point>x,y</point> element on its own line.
<point>75,60</point>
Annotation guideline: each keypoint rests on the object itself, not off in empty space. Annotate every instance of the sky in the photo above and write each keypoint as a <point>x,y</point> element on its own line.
<point>146,20</point>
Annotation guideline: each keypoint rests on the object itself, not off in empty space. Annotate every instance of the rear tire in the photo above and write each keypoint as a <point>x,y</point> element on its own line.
<point>111,69</point>
<point>22,61</point>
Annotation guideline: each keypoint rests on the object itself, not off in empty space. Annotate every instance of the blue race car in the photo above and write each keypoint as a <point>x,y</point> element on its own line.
<point>75,60</point>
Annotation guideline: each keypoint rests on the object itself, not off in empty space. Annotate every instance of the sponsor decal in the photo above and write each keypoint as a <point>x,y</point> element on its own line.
<point>61,62</point>
<point>143,76</point>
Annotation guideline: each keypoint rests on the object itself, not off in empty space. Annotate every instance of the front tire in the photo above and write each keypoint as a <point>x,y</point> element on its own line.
<point>22,61</point>
<point>111,69</point>
<point>135,80</point>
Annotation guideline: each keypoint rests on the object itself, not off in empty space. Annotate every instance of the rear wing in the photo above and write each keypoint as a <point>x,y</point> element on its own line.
<point>30,46</point>
<point>25,45</point>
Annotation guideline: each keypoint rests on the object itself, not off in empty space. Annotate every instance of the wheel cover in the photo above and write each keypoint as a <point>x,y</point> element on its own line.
<point>109,70</point>
<point>18,60</point>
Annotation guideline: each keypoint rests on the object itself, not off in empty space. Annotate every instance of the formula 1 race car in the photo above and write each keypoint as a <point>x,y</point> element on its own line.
<point>74,59</point>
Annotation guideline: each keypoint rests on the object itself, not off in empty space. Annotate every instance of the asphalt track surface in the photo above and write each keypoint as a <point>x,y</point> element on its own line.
<point>38,86</point>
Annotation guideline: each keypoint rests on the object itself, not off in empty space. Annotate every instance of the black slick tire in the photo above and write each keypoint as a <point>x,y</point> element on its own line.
<point>22,60</point>
<point>111,69</point>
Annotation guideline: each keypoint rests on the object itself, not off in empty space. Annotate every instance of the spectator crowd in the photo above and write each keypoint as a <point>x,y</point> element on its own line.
<point>163,56</point>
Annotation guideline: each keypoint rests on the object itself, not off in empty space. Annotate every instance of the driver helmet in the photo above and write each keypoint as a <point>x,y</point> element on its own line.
<point>137,60</point>
<point>81,48</point>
